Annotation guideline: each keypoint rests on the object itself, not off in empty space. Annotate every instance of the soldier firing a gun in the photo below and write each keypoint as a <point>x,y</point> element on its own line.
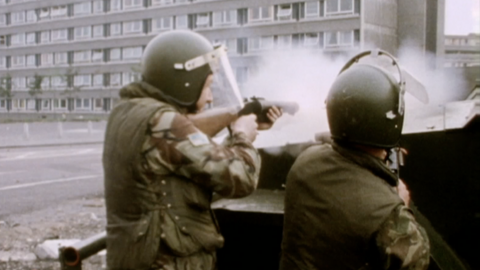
<point>161,166</point>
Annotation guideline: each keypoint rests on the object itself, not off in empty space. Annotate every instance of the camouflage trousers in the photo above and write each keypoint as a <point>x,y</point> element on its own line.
<point>197,261</point>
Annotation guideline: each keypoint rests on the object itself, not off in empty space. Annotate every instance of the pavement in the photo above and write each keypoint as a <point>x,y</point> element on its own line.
<point>31,134</point>
<point>22,234</point>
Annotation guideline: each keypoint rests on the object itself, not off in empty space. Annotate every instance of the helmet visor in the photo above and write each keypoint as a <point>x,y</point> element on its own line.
<point>224,88</point>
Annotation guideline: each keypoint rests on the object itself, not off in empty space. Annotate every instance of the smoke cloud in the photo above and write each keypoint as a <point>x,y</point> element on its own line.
<point>305,77</point>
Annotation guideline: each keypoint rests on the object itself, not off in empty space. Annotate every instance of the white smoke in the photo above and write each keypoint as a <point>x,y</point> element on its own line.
<point>305,77</point>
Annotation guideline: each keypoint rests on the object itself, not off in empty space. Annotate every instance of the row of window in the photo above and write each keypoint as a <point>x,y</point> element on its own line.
<point>326,40</point>
<point>56,104</point>
<point>310,9</point>
<point>64,82</point>
<point>462,41</point>
<point>77,57</point>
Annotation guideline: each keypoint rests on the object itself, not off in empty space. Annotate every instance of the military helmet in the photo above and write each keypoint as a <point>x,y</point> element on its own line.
<point>365,106</point>
<point>163,65</point>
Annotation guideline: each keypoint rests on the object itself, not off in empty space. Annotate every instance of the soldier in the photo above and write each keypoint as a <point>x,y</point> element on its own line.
<point>161,170</point>
<point>344,208</point>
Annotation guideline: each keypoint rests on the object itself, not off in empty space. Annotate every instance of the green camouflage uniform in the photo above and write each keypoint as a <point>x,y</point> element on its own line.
<point>160,173</point>
<point>342,211</point>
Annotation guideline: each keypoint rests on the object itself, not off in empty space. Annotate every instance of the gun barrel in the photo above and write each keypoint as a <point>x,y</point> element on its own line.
<point>289,107</point>
<point>73,255</point>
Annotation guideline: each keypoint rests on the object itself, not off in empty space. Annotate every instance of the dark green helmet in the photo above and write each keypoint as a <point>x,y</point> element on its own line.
<point>163,60</point>
<point>365,106</point>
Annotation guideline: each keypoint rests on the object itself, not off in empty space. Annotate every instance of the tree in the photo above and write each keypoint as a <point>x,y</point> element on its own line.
<point>6,87</point>
<point>35,85</point>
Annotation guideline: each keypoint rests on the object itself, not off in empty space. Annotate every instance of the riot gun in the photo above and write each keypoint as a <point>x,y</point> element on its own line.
<point>214,120</point>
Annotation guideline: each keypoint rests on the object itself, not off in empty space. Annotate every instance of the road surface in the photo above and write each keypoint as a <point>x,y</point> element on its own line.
<point>35,178</point>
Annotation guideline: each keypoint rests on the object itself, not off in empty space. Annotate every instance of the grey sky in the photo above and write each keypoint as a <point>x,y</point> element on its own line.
<point>462,17</point>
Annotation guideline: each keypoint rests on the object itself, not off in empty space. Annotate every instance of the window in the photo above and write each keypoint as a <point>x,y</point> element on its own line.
<point>82,104</point>
<point>98,80</point>
<point>31,16</point>
<point>19,83</point>
<point>98,31</point>
<point>18,104</point>
<point>228,17</point>
<point>311,39</point>
<point>115,54</point>
<point>128,4</point>
<point>45,37</point>
<point>260,14</point>
<point>31,38</point>
<point>132,27</point>
<point>3,19</point>
<point>58,11</point>
<point>284,41</point>
<point>339,39</point>
<point>83,80</point>
<point>61,58</point>
<point>260,43</point>
<point>30,104</point>
<point>98,104</point>
<point>131,53</point>
<point>97,55</point>
<point>3,104</point>
<point>284,12</point>
<point>129,77</point>
<point>18,39</point>
<point>45,83</point>
<point>59,35</point>
<point>81,56</point>
<point>83,32</point>
<point>31,60</point>
<point>161,2</point>
<point>44,13</point>
<point>59,82</point>
<point>3,62</point>
<point>18,60</point>
<point>46,59</point>
<point>3,41</point>
<point>115,29</point>
<point>83,8</point>
<point>203,20</point>
<point>45,104</point>
<point>115,5</point>
<point>115,79</point>
<point>98,6</point>
<point>339,7</point>
<point>181,22</point>
<point>162,23</point>
<point>312,9</point>
<point>230,44</point>
<point>18,17</point>
<point>60,104</point>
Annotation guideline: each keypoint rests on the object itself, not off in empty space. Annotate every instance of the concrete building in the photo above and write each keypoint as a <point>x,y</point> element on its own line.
<point>72,56</point>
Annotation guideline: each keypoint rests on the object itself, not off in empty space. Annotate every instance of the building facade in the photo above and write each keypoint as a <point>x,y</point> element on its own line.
<point>73,56</point>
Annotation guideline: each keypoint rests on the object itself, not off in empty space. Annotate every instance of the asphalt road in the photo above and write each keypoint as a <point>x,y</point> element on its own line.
<point>40,177</point>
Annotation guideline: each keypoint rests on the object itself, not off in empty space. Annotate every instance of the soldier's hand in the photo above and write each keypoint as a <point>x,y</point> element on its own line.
<point>273,114</point>
<point>403,192</point>
<point>246,124</point>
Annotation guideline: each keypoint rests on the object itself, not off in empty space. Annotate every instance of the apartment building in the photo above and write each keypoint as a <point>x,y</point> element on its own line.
<point>74,55</point>
<point>462,51</point>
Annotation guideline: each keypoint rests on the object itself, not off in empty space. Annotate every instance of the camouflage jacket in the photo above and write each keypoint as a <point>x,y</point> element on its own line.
<point>342,212</point>
<point>160,173</point>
